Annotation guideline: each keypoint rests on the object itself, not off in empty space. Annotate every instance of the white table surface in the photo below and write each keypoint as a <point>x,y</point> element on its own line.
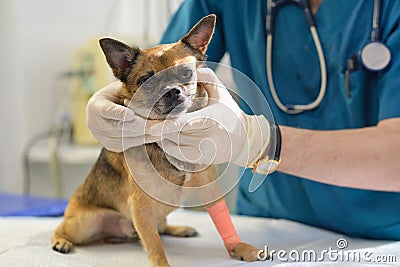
<point>24,241</point>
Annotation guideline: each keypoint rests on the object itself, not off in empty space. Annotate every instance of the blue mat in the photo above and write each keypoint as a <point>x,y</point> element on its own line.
<point>22,205</point>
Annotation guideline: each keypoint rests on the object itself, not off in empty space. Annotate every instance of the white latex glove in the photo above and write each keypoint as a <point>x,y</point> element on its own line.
<point>110,122</point>
<point>218,133</point>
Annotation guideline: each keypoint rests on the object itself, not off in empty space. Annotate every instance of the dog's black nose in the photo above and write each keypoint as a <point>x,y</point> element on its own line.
<point>173,93</point>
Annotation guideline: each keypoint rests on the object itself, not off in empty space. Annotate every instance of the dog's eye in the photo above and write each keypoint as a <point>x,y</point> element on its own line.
<point>145,80</point>
<point>186,74</point>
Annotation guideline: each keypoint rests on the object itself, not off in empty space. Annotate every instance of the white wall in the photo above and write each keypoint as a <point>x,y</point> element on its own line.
<point>12,110</point>
<point>38,40</point>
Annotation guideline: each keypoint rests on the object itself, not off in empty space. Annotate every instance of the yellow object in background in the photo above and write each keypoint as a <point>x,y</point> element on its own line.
<point>91,74</point>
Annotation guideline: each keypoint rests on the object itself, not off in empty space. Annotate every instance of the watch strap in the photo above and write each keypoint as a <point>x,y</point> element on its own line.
<point>272,154</point>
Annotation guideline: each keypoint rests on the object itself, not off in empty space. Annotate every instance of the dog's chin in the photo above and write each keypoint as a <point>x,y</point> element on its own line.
<point>163,113</point>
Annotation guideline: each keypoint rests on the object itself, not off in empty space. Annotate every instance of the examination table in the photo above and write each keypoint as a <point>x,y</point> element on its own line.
<point>25,241</point>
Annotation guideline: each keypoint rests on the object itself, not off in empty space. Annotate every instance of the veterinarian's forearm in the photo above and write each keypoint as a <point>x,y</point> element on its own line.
<point>366,158</point>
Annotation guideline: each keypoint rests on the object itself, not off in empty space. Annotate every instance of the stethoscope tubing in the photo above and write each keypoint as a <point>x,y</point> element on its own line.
<point>376,21</point>
<point>368,59</point>
<point>295,108</point>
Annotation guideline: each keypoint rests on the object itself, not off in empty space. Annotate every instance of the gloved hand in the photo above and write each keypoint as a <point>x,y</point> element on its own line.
<point>218,133</point>
<point>110,122</point>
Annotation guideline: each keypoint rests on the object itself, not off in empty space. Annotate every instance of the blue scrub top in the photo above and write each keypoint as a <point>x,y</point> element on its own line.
<point>344,27</point>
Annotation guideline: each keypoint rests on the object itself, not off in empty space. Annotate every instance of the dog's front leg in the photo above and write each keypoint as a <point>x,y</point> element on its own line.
<point>145,222</point>
<point>220,215</point>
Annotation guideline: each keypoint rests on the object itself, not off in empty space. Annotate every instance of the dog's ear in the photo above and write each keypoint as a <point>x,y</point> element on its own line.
<point>120,57</point>
<point>200,35</point>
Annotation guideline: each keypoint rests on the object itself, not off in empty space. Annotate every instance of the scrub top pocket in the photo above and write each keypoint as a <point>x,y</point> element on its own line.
<point>356,94</point>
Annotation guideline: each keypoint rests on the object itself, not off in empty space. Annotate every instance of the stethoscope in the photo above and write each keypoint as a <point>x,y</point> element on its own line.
<point>374,56</point>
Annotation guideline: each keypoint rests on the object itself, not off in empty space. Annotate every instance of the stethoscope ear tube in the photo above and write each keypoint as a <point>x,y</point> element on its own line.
<point>274,6</point>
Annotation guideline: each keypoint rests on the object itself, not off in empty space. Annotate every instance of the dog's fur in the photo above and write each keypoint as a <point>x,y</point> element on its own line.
<point>110,206</point>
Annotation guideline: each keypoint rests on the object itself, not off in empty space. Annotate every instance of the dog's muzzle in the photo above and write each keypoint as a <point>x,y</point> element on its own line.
<point>173,102</point>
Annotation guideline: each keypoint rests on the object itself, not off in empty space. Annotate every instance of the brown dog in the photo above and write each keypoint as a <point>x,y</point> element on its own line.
<point>110,205</point>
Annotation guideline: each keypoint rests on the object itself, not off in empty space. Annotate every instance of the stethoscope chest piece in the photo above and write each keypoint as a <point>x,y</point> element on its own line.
<point>375,56</point>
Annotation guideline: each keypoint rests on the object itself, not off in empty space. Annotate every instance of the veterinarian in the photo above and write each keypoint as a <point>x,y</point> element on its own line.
<point>340,161</point>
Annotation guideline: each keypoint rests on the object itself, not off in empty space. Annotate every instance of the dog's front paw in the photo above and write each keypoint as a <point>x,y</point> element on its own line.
<point>245,252</point>
<point>180,231</point>
<point>62,245</point>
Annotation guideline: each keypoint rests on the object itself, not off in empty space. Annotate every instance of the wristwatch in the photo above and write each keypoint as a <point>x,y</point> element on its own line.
<point>270,159</point>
